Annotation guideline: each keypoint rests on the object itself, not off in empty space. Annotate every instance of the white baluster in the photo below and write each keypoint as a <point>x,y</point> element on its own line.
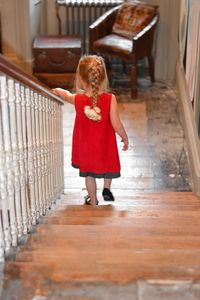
<point>59,121</point>
<point>43,158</point>
<point>47,152</point>
<point>15,154</point>
<point>57,148</point>
<point>35,181</point>
<point>40,157</point>
<point>22,175</point>
<point>8,180</point>
<point>6,243</point>
<point>54,151</point>
<point>52,147</point>
<point>25,156</point>
<point>37,98</point>
<point>50,150</point>
<point>31,188</point>
<point>61,151</point>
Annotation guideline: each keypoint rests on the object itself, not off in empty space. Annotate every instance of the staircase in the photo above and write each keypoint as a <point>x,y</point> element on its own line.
<point>144,246</point>
<point>141,247</point>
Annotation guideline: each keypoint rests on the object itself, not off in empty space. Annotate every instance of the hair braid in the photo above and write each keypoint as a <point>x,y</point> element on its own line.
<point>95,78</point>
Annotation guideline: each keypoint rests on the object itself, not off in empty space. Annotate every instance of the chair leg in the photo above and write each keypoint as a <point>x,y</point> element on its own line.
<point>134,81</point>
<point>151,67</point>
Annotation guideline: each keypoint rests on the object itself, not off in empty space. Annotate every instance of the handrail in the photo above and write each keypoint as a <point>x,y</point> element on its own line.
<point>15,72</point>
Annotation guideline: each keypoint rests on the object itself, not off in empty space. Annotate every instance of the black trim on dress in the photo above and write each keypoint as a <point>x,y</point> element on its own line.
<point>95,175</point>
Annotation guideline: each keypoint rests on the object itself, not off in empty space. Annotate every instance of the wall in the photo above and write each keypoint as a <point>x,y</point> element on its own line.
<point>20,23</point>
<point>188,78</point>
<point>166,39</point>
<point>35,17</point>
<point>166,51</point>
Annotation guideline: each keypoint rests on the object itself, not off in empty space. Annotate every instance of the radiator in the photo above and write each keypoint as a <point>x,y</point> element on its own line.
<point>75,17</point>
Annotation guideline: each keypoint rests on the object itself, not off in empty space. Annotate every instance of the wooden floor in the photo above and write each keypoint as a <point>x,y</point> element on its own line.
<point>144,246</point>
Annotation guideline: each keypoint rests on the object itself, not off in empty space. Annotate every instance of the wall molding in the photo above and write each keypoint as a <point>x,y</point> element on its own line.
<point>191,134</point>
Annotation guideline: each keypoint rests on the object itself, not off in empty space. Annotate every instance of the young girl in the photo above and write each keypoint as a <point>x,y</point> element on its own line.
<point>94,145</point>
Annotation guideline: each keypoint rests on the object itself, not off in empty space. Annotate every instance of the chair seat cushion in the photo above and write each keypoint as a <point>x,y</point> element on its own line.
<point>114,44</point>
<point>132,17</point>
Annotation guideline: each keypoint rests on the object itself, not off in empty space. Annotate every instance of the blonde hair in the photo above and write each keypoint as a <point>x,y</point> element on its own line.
<point>91,72</point>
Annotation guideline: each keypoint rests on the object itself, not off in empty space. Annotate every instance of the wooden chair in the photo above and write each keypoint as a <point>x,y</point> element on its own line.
<point>126,32</point>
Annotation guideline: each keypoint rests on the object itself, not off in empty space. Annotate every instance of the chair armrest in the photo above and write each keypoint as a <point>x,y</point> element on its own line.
<point>102,26</point>
<point>143,41</point>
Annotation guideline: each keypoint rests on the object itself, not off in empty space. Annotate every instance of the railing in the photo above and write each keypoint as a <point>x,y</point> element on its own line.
<point>80,14</point>
<point>31,153</point>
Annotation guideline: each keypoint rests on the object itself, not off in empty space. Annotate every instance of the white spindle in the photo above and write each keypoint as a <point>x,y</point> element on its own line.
<point>31,188</point>
<point>43,153</point>
<point>15,154</point>
<point>3,179</point>
<point>22,175</point>
<point>7,123</point>
<point>41,173</point>
<point>47,170</point>
<point>25,155</point>
<point>34,151</point>
<point>53,150</point>
<point>37,98</point>
<point>50,151</point>
<point>61,151</point>
<point>60,147</point>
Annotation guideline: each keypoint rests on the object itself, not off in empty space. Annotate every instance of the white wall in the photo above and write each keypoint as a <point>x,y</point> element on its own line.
<point>37,17</point>
<point>166,51</point>
<point>20,23</point>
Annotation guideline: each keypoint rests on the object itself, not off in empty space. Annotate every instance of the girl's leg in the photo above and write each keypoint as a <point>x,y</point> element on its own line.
<point>107,183</point>
<point>107,194</point>
<point>91,187</point>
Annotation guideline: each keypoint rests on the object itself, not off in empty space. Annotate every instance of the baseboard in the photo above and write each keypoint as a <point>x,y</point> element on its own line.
<point>191,134</point>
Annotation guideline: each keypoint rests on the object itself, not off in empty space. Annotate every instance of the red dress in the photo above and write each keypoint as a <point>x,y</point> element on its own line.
<point>94,145</point>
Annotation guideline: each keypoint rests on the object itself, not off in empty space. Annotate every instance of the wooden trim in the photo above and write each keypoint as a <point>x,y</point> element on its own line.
<point>190,129</point>
<point>11,70</point>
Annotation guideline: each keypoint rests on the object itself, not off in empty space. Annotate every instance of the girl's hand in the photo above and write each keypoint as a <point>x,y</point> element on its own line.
<point>64,94</point>
<point>125,147</point>
<point>56,91</point>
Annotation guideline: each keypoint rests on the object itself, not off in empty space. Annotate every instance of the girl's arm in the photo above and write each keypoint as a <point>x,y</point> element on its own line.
<point>64,94</point>
<point>117,124</point>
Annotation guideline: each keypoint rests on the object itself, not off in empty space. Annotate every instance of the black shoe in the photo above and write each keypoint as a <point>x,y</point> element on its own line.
<point>88,201</point>
<point>107,195</point>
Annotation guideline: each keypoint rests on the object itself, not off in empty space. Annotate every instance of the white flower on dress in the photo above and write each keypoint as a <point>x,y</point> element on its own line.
<point>93,113</point>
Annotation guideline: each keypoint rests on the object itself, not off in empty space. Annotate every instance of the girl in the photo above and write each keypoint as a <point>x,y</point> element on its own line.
<point>94,145</point>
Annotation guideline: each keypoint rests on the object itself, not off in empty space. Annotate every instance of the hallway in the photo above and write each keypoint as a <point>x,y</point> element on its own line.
<point>145,245</point>
<point>157,155</point>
